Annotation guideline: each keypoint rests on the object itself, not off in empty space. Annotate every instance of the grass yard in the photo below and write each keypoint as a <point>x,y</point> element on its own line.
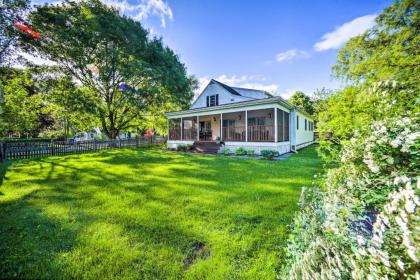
<point>148,214</point>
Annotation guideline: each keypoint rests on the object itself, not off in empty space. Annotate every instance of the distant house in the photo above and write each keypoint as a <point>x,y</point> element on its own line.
<point>241,117</point>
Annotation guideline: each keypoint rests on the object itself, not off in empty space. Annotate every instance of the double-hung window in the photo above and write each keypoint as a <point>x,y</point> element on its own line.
<point>212,100</point>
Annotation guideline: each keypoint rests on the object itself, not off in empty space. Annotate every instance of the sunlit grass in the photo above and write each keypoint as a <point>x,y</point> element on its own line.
<point>148,214</point>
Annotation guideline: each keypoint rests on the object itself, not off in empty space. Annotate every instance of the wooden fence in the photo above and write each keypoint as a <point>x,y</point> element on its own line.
<point>20,150</point>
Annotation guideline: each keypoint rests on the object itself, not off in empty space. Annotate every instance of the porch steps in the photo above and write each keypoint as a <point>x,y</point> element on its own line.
<point>205,147</point>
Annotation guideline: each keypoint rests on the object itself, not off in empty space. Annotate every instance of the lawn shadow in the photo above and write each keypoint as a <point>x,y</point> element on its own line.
<point>30,242</point>
<point>3,170</point>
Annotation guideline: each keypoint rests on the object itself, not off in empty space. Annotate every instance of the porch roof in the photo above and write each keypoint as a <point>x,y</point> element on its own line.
<point>237,105</point>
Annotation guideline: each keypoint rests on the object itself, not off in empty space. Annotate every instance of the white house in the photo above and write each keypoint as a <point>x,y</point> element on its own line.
<point>241,117</point>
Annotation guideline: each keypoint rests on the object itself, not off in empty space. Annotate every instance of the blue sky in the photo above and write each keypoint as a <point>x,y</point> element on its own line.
<point>280,46</point>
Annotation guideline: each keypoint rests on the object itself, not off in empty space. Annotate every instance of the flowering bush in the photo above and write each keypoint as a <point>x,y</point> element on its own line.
<point>366,224</point>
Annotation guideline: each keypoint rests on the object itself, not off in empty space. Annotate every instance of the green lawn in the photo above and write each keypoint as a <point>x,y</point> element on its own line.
<point>148,214</point>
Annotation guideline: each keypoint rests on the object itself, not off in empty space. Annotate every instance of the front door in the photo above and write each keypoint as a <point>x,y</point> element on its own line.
<point>205,131</point>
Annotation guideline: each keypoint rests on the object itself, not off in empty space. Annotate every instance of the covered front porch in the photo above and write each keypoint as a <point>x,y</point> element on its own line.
<point>260,125</point>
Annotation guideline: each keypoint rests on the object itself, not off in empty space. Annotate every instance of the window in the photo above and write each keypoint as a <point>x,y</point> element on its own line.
<point>212,100</point>
<point>297,122</point>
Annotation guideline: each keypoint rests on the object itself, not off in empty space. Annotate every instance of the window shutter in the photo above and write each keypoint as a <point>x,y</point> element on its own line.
<point>217,100</point>
<point>306,124</point>
<point>297,122</point>
<point>208,101</point>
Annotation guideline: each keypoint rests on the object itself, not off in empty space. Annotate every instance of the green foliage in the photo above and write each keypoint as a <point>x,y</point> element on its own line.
<point>183,148</point>
<point>148,214</point>
<point>101,49</point>
<point>269,154</point>
<point>240,151</point>
<point>354,108</point>
<point>22,106</point>
<point>250,152</point>
<point>388,51</point>
<point>39,101</point>
<point>302,101</point>
<point>375,180</point>
<point>9,10</point>
<point>226,152</point>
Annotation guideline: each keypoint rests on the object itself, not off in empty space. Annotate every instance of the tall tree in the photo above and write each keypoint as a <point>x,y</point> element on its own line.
<point>389,50</point>
<point>320,100</point>
<point>123,71</point>
<point>9,11</point>
<point>21,110</point>
<point>302,101</point>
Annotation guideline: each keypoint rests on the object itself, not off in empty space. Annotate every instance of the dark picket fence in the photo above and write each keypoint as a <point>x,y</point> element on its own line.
<point>21,150</point>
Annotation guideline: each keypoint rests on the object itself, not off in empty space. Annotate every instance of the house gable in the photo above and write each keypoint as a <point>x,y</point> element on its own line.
<point>226,94</point>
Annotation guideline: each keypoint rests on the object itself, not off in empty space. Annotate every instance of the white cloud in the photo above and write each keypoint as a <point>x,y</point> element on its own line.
<point>342,33</point>
<point>291,54</point>
<point>141,10</point>
<point>289,92</point>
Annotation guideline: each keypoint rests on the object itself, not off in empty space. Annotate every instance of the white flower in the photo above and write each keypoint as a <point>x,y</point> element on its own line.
<point>414,135</point>
<point>400,264</point>
<point>395,143</point>
<point>401,179</point>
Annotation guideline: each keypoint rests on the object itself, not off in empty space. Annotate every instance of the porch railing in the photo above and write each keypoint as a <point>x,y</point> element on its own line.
<point>189,134</point>
<point>234,133</point>
<point>261,133</point>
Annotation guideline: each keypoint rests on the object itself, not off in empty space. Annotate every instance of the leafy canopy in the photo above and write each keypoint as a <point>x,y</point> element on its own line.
<point>302,101</point>
<point>101,50</point>
<point>387,53</point>
<point>389,50</point>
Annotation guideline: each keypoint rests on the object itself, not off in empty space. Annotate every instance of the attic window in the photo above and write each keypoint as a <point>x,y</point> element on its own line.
<point>212,100</point>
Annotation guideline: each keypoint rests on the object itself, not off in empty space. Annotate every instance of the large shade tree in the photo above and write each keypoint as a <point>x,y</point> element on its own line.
<point>122,70</point>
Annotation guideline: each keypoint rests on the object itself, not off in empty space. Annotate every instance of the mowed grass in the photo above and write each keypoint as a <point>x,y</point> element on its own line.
<point>148,214</point>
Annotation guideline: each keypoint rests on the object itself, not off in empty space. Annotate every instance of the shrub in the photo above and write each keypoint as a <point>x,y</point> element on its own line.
<point>240,152</point>
<point>183,148</point>
<point>226,152</point>
<point>250,152</point>
<point>365,225</point>
<point>269,154</point>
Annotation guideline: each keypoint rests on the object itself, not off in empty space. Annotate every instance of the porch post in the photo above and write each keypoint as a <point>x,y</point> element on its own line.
<point>275,125</point>
<point>182,128</point>
<point>221,127</point>
<point>246,125</point>
<point>198,128</point>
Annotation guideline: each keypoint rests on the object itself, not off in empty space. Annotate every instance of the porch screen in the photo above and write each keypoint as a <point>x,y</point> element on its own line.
<point>175,129</point>
<point>189,131</point>
<point>282,126</point>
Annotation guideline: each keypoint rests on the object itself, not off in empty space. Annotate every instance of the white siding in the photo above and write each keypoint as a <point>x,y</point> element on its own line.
<point>302,135</point>
<point>225,97</point>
